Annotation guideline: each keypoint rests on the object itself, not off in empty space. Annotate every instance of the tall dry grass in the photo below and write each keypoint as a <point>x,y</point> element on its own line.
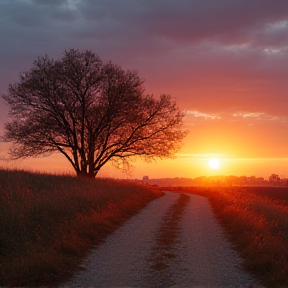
<point>49,223</point>
<point>258,228</point>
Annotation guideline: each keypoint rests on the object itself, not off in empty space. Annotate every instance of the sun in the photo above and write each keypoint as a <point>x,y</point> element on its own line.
<point>214,164</point>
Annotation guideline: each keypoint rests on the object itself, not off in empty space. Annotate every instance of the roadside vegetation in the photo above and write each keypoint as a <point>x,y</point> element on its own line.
<point>49,223</point>
<point>257,226</point>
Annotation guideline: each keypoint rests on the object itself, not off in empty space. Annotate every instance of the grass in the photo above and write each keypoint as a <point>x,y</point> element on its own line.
<point>257,226</point>
<point>49,223</point>
<point>168,234</point>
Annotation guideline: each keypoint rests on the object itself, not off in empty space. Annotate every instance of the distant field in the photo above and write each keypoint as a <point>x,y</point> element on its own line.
<point>277,193</point>
<point>49,223</point>
<point>256,222</point>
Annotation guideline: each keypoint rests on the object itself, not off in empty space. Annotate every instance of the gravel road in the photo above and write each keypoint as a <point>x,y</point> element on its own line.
<point>196,253</point>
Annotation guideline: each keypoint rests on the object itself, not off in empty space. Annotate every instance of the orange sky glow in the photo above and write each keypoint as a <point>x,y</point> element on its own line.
<point>228,76</point>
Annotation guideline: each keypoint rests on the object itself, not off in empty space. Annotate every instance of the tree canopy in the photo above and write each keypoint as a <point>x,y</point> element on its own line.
<point>91,112</point>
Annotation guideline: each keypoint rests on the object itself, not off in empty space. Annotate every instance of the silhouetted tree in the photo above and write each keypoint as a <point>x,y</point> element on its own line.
<point>90,112</point>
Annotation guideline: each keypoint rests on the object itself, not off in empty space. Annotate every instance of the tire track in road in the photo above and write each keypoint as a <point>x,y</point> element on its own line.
<point>163,254</point>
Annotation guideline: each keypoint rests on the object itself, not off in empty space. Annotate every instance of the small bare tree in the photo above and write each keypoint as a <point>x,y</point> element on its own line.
<point>90,112</point>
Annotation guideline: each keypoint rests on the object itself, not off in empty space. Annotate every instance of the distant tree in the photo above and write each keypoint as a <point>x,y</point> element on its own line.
<point>274,178</point>
<point>90,112</point>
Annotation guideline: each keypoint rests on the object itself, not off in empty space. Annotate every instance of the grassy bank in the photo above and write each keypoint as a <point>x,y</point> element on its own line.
<point>257,226</point>
<point>49,223</point>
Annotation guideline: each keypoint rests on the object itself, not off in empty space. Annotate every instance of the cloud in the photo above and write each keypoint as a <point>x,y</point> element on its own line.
<point>154,25</point>
<point>187,22</point>
<point>260,116</point>
<point>195,117</point>
<point>198,114</point>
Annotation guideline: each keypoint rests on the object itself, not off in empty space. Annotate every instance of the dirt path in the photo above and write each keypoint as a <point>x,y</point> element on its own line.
<point>175,241</point>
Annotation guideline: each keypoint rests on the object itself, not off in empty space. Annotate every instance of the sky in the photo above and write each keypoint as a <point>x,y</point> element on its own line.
<point>224,61</point>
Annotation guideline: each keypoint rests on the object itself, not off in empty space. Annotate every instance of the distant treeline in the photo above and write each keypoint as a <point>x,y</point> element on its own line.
<point>274,180</point>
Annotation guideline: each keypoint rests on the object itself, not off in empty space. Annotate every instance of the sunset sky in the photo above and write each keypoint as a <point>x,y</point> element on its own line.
<point>224,61</point>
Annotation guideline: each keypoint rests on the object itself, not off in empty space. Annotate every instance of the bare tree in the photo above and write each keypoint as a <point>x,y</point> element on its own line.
<point>90,112</point>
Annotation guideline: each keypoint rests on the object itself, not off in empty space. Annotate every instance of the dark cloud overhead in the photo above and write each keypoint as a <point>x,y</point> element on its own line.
<point>144,24</point>
<point>188,21</point>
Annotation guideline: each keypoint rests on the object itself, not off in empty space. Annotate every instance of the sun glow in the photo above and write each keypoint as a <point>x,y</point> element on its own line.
<point>214,164</point>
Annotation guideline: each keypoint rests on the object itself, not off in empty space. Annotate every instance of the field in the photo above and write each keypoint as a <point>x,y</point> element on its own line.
<point>256,221</point>
<point>49,223</point>
<point>276,193</point>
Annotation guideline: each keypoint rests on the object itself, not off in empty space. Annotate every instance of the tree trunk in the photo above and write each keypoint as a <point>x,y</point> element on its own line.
<point>85,174</point>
